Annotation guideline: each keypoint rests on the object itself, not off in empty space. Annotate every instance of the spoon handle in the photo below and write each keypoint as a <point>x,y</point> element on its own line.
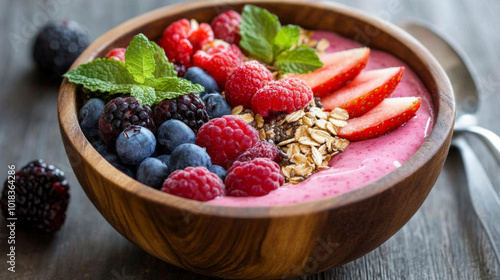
<point>488,137</point>
<point>484,198</point>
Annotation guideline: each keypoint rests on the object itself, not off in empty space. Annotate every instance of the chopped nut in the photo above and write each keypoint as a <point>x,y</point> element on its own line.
<point>237,110</point>
<point>322,45</point>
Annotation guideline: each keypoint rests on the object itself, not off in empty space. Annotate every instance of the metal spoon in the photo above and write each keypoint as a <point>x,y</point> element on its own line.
<point>461,73</point>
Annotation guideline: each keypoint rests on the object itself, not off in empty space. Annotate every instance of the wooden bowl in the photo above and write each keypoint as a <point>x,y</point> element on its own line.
<point>264,242</point>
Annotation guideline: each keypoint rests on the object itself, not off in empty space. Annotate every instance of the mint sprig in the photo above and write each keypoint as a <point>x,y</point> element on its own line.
<point>263,37</point>
<point>146,74</point>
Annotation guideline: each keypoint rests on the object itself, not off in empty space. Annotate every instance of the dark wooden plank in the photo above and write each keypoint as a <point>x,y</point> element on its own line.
<point>444,240</point>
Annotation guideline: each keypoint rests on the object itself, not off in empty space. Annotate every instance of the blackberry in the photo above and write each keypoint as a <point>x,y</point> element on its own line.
<point>57,46</point>
<point>187,108</point>
<point>41,197</point>
<point>119,114</point>
<point>180,69</point>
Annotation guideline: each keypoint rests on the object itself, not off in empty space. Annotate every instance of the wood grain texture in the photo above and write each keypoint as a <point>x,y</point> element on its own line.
<point>443,240</point>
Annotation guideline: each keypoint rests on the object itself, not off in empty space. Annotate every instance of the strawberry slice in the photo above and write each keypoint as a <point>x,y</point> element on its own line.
<point>365,91</point>
<point>338,69</point>
<point>390,114</point>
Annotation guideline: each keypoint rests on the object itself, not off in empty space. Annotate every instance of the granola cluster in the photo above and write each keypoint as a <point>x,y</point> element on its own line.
<point>307,138</point>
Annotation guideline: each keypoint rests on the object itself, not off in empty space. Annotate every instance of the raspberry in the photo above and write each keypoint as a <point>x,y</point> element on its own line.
<point>187,108</point>
<point>219,61</point>
<point>117,53</point>
<point>119,114</point>
<point>41,196</point>
<point>194,183</point>
<point>180,40</point>
<point>226,27</point>
<point>226,138</point>
<point>286,95</point>
<point>245,81</point>
<point>57,46</point>
<point>201,36</point>
<point>262,149</point>
<point>253,178</point>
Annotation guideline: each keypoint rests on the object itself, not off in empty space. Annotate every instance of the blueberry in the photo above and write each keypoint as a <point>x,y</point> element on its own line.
<point>152,172</point>
<point>89,118</point>
<point>115,161</point>
<point>134,144</point>
<point>165,159</point>
<point>172,133</point>
<point>219,171</point>
<point>216,105</point>
<point>100,147</point>
<point>198,76</point>
<point>186,155</point>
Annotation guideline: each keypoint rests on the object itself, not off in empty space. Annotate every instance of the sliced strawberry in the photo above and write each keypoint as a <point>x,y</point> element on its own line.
<point>390,114</point>
<point>365,91</point>
<point>338,69</point>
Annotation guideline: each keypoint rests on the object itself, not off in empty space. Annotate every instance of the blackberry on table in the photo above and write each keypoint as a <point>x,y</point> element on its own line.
<point>57,45</point>
<point>41,197</point>
<point>187,108</point>
<point>121,113</point>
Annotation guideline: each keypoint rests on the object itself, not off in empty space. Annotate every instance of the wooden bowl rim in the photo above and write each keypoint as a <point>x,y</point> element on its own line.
<point>442,126</point>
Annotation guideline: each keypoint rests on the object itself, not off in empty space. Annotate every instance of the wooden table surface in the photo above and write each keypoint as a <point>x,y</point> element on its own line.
<point>444,240</point>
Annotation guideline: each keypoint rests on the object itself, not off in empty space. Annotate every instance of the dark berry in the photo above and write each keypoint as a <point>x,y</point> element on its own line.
<point>115,161</point>
<point>57,45</point>
<point>100,147</point>
<point>119,114</point>
<point>173,133</point>
<point>152,172</point>
<point>41,197</point>
<point>186,155</point>
<point>187,108</point>
<point>198,76</point>
<point>89,118</point>
<point>216,105</point>
<point>180,69</point>
<point>219,171</point>
<point>165,159</point>
<point>194,183</point>
<point>135,144</point>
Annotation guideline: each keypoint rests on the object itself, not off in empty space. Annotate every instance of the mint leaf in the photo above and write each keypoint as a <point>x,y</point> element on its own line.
<point>140,58</point>
<point>287,37</point>
<point>258,28</point>
<point>106,75</point>
<point>164,68</point>
<point>145,94</point>
<point>171,87</point>
<point>299,60</point>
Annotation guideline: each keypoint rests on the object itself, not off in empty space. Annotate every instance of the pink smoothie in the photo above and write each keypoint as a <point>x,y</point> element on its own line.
<point>365,161</point>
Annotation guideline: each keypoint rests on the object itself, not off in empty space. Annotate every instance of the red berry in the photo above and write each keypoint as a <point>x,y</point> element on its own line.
<point>226,27</point>
<point>180,40</point>
<point>286,95</point>
<point>245,81</point>
<point>219,61</point>
<point>226,138</point>
<point>253,178</point>
<point>194,183</point>
<point>262,149</point>
<point>117,53</point>
<point>202,36</point>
